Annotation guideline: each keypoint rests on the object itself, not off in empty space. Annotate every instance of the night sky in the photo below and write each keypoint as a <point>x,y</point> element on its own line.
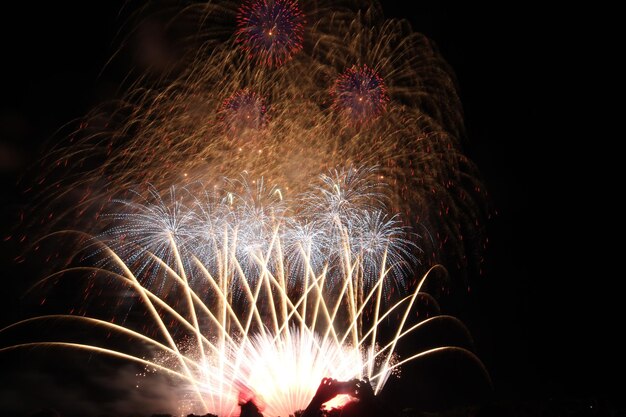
<point>539,327</point>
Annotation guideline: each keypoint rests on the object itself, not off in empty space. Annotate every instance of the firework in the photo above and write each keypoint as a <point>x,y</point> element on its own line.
<point>359,95</point>
<point>246,283</point>
<point>234,332</point>
<point>345,211</point>
<point>167,135</point>
<point>242,111</point>
<point>264,296</point>
<point>270,31</point>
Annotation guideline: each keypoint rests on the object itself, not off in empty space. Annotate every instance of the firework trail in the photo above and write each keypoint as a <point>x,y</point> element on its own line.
<point>267,199</point>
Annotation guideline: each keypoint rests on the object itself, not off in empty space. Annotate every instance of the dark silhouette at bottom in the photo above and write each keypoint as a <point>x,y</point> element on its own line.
<point>249,409</point>
<point>364,403</point>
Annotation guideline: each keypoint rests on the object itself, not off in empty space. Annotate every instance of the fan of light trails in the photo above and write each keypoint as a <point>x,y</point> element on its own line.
<point>244,298</point>
<point>276,351</point>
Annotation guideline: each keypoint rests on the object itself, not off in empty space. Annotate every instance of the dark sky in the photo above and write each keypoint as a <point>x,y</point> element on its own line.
<point>535,321</point>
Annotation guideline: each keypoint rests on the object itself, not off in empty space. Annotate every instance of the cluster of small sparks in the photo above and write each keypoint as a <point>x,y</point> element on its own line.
<point>254,288</point>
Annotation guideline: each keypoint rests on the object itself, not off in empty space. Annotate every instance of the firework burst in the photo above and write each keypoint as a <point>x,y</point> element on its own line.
<point>359,95</point>
<point>345,211</point>
<point>270,31</point>
<point>244,110</point>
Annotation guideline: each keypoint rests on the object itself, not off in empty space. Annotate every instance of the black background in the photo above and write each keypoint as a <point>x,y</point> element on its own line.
<point>542,317</point>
